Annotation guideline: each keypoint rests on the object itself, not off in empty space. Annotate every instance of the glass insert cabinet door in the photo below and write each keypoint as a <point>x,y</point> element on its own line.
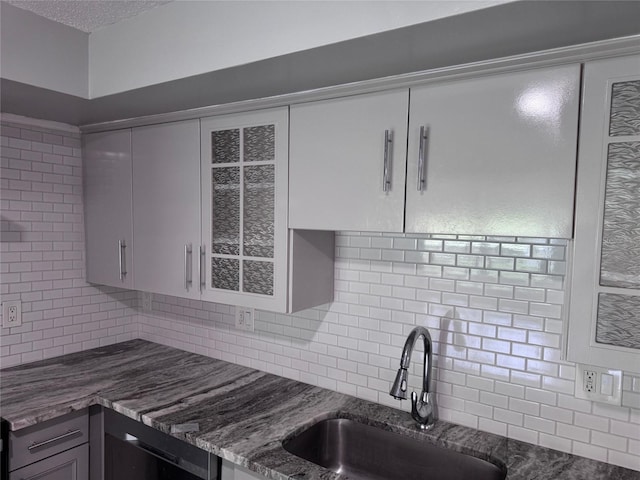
<point>604,323</point>
<point>245,190</point>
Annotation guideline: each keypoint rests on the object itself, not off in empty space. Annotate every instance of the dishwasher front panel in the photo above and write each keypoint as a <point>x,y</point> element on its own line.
<point>134,451</point>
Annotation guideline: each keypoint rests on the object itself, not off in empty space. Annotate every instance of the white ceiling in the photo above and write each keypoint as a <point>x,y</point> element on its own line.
<point>87,15</point>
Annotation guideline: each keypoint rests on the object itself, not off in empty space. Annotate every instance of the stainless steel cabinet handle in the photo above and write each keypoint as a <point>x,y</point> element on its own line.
<point>69,433</point>
<point>201,267</point>
<point>421,176</point>
<point>122,258</point>
<point>386,170</point>
<point>188,269</point>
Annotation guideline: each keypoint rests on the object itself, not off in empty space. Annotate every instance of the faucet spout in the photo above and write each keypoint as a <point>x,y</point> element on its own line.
<point>422,407</point>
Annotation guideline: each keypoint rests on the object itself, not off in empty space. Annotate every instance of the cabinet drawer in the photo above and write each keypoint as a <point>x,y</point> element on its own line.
<point>40,441</point>
<point>69,465</point>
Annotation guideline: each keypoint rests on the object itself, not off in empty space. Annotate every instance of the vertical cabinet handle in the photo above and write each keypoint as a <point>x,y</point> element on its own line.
<point>386,170</point>
<point>201,267</point>
<point>421,154</point>
<point>188,268</point>
<point>122,259</point>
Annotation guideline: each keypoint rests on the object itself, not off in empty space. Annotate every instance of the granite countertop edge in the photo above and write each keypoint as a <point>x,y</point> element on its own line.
<point>245,414</point>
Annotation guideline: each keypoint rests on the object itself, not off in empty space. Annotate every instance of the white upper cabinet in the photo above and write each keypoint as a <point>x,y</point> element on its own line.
<point>348,158</point>
<point>107,203</point>
<point>498,154</point>
<point>244,179</point>
<point>604,309</point>
<point>166,208</point>
<point>208,214</point>
<point>490,155</point>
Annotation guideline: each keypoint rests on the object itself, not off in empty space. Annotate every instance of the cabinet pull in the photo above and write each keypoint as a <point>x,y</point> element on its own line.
<point>386,171</point>
<point>122,259</point>
<point>188,269</point>
<point>421,175</point>
<point>201,267</point>
<point>70,433</point>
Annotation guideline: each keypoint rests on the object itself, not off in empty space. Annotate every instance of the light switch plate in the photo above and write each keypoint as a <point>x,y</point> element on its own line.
<point>602,385</point>
<point>245,318</point>
<point>249,314</point>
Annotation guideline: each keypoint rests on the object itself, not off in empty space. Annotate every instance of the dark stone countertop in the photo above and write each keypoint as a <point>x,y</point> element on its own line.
<point>244,414</point>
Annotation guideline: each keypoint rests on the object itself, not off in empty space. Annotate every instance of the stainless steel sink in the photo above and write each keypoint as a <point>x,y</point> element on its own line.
<point>363,452</point>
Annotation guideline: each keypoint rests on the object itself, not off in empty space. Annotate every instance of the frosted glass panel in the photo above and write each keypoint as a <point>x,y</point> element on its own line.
<point>625,109</point>
<point>258,277</point>
<point>620,264</point>
<point>618,320</point>
<point>225,146</point>
<point>225,224</point>
<point>259,210</point>
<point>225,273</point>
<point>259,144</point>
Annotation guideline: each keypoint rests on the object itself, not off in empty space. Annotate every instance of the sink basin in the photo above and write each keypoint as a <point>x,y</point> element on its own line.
<point>363,452</point>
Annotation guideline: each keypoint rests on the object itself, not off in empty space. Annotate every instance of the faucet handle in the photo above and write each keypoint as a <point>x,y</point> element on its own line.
<point>422,410</point>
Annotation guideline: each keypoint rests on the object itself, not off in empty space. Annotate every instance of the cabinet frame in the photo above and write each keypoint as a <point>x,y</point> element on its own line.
<point>279,300</point>
<point>589,218</point>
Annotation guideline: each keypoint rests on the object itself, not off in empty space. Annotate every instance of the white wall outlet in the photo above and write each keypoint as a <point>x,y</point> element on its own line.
<point>147,301</point>
<point>589,380</point>
<point>598,384</point>
<point>245,318</point>
<point>240,318</point>
<point>11,313</point>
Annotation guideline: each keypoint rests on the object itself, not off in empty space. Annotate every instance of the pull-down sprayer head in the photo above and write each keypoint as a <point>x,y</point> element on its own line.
<point>399,388</point>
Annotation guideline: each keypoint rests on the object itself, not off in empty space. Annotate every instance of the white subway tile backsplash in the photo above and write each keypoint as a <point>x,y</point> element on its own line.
<point>42,247</point>
<point>494,307</point>
<point>499,263</point>
<point>430,245</point>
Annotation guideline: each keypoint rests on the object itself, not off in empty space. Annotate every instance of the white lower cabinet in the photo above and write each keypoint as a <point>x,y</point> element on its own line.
<point>108,208</point>
<point>166,208</point>
<point>231,471</point>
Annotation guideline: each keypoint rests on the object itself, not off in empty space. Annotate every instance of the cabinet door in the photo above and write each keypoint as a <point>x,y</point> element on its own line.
<point>338,163</point>
<point>166,208</point>
<point>108,208</point>
<point>69,465</point>
<point>244,208</point>
<point>604,312</point>
<point>37,442</point>
<point>499,154</point>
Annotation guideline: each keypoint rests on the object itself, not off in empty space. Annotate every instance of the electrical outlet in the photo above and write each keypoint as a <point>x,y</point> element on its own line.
<point>599,384</point>
<point>590,379</point>
<point>239,318</point>
<point>147,301</point>
<point>245,318</point>
<point>11,313</point>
